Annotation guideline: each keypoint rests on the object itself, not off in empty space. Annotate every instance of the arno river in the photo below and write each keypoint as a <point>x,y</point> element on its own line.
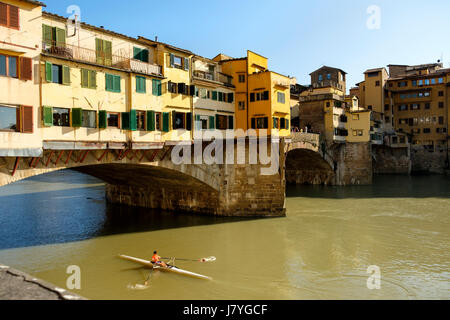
<point>321,250</point>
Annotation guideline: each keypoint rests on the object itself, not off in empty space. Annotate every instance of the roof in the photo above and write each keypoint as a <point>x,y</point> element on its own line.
<point>327,67</point>
<point>38,3</point>
<point>374,70</point>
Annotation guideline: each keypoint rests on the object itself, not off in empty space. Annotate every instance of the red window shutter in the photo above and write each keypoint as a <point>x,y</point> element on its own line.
<point>26,68</point>
<point>3,14</point>
<point>26,119</point>
<point>13,17</point>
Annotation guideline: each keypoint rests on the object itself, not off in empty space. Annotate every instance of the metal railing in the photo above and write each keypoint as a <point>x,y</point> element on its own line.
<point>122,61</point>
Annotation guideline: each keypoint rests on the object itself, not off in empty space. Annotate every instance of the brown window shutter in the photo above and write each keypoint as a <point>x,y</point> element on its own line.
<point>26,67</point>
<point>26,119</point>
<point>13,17</point>
<point>3,14</point>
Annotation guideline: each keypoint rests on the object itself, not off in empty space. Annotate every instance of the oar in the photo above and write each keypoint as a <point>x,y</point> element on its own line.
<point>209,259</point>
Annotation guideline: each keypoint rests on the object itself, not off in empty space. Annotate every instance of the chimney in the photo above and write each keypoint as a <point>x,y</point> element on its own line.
<point>156,38</point>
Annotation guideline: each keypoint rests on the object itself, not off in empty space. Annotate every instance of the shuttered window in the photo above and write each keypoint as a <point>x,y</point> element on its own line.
<point>9,16</point>
<point>8,66</point>
<point>214,95</point>
<point>212,124</point>
<point>103,51</point>
<point>26,119</point>
<point>88,79</point>
<point>150,120</point>
<point>188,121</point>
<point>102,119</point>
<point>166,122</point>
<point>77,117</point>
<point>141,84</point>
<point>47,116</point>
<point>133,120</point>
<point>112,83</point>
<point>156,87</point>
<point>140,54</point>
<point>230,122</point>
<point>52,36</point>
<point>26,68</point>
<point>65,75</point>
<point>230,97</point>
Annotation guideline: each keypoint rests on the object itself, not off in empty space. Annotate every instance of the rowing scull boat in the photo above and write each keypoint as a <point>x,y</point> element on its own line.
<point>169,268</point>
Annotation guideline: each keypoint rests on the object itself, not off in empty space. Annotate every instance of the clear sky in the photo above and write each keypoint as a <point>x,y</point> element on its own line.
<point>297,36</point>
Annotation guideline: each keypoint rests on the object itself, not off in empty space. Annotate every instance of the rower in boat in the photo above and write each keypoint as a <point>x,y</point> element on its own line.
<point>156,260</point>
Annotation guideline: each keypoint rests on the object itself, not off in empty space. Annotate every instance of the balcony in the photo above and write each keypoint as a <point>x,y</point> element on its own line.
<point>124,61</point>
<point>217,77</point>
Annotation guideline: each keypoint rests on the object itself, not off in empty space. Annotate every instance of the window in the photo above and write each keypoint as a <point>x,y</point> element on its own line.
<point>281,97</point>
<point>320,77</point>
<point>377,83</point>
<point>433,81</point>
<point>221,122</point>
<point>261,123</point>
<point>441,105</point>
<point>9,16</point>
<point>415,106</point>
<point>113,119</point>
<point>242,78</point>
<point>355,117</point>
<point>386,107</point>
<point>141,84</point>
<point>414,83</point>
<point>427,105</point>
<point>52,36</point>
<point>276,122</point>
<point>179,120</point>
<point>8,66</point>
<point>88,79</point>
<point>402,84</point>
<point>441,120</point>
<point>441,93</point>
<point>140,54</point>
<point>158,122</point>
<point>103,52</point>
<point>283,123</point>
<point>241,105</point>
<point>8,119</point>
<point>156,87</point>
<point>441,80</point>
<point>61,117</point>
<point>373,74</point>
<point>140,120</point>
<point>403,107</point>
<point>427,82</point>
<point>178,62</point>
<point>420,83</point>
<point>426,130</point>
<point>89,119</point>
<point>57,73</point>
<point>329,76</point>
<point>112,83</point>
<point>369,107</point>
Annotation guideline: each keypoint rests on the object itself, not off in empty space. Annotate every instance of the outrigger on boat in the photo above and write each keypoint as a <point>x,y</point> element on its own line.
<point>169,267</point>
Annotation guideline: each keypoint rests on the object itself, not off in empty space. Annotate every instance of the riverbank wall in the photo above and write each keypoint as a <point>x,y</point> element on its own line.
<point>17,285</point>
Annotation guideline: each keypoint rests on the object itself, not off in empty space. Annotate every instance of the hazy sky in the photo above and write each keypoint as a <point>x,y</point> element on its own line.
<point>297,36</point>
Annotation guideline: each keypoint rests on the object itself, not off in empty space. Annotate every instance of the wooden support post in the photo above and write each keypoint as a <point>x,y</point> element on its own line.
<point>154,155</point>
<point>144,154</point>
<point>32,162</point>
<point>84,156</point>
<point>49,158</point>
<point>165,154</point>
<point>69,156</point>
<point>16,165</point>
<point>59,157</point>
<point>102,156</point>
<point>36,162</point>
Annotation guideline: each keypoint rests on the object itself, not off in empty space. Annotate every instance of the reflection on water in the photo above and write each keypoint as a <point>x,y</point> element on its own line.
<point>321,250</point>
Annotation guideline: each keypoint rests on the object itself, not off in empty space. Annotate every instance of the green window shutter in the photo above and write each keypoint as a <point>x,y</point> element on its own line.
<point>156,87</point>
<point>188,121</point>
<point>133,120</point>
<point>99,50</point>
<point>144,55</point>
<point>141,84</point>
<point>212,122</point>
<point>172,60</point>
<point>77,117</point>
<point>92,79</point>
<point>126,120</point>
<point>66,75</point>
<point>116,84</point>
<point>186,64</point>
<point>48,72</point>
<point>47,116</point>
<point>107,47</point>
<point>137,53</point>
<point>150,120</point>
<point>47,35</point>
<point>230,122</point>
<point>60,37</point>
<point>214,95</point>
<point>102,119</point>
<point>109,85</point>
<point>220,96</point>
<point>165,122</point>
<point>287,124</point>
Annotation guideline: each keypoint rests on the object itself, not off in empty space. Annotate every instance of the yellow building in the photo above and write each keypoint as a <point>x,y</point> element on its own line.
<point>358,126</point>
<point>262,96</point>
<point>20,43</point>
